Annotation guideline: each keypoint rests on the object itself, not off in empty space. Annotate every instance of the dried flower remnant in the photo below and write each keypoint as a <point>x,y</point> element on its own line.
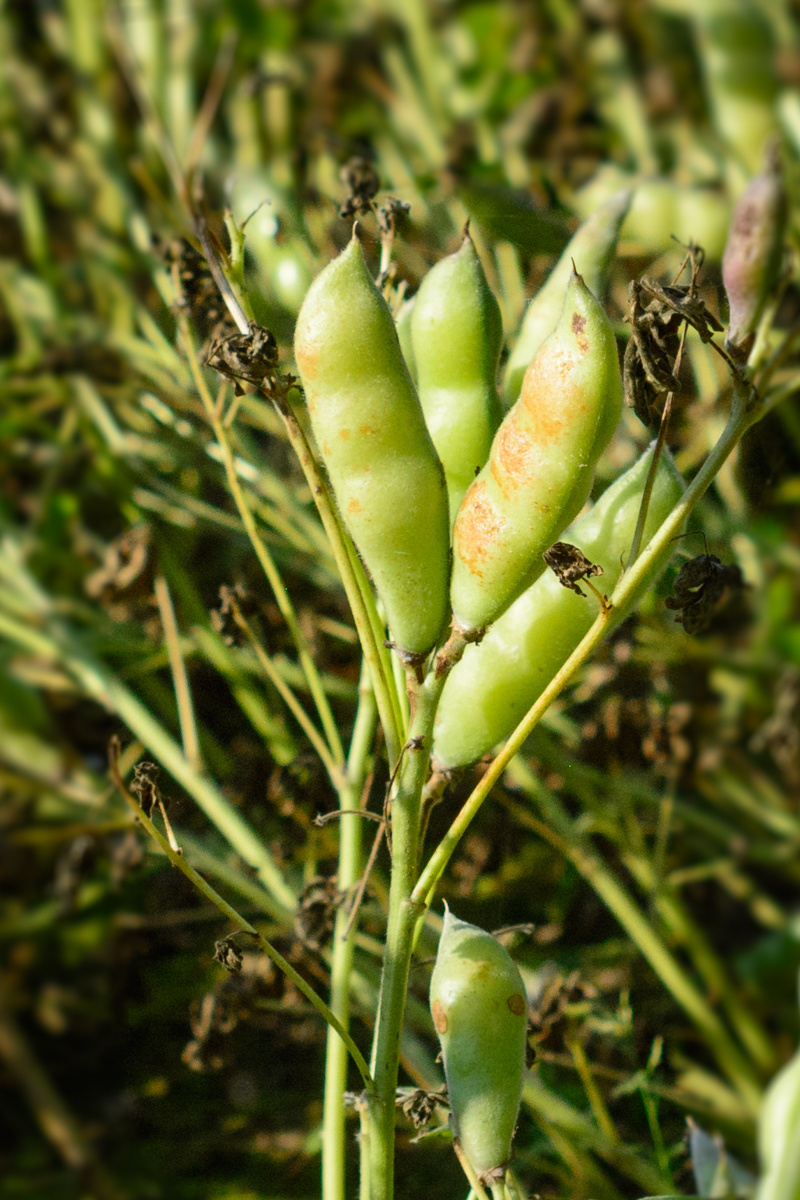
<point>250,357</point>
<point>701,588</point>
<point>569,565</point>
<point>656,314</point>
<point>360,178</point>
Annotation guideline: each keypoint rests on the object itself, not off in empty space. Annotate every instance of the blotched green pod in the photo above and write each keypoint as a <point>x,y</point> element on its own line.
<point>488,693</point>
<point>368,425</point>
<point>592,251</point>
<point>779,1136</point>
<point>456,337</point>
<point>542,462</point>
<point>751,264</point>
<point>480,1012</point>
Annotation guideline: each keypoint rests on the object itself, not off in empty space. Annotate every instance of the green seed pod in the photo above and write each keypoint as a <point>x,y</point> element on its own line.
<point>403,324</point>
<point>368,425</point>
<point>752,261</point>
<point>488,693</point>
<point>660,211</point>
<point>778,1136</point>
<point>456,335</point>
<point>542,462</point>
<point>480,1013</point>
<point>737,55</point>
<point>592,250</point>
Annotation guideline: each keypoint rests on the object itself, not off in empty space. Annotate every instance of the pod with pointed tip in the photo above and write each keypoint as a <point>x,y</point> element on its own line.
<point>489,691</point>
<point>779,1136</point>
<point>592,249</point>
<point>456,337</point>
<point>480,1013</point>
<point>541,465</point>
<point>368,424</point>
<point>751,263</point>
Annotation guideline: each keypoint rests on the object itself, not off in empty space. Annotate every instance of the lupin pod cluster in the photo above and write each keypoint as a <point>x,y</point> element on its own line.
<point>497,681</point>
<point>541,465</point>
<point>367,422</point>
<point>480,1013</point>
<point>752,260</point>
<point>456,337</point>
<point>592,248</point>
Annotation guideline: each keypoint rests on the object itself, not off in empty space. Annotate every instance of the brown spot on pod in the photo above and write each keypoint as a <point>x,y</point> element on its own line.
<point>516,1004</point>
<point>477,527</point>
<point>439,1016</point>
<point>578,326</point>
<point>511,462</point>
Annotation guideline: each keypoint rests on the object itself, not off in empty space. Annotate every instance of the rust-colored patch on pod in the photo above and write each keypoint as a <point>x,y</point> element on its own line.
<point>344,434</point>
<point>354,506</point>
<point>578,326</point>
<point>516,1004</point>
<point>439,1016</point>
<point>368,429</point>
<point>306,353</point>
<point>477,527</point>
<point>510,462</point>
<point>548,396</point>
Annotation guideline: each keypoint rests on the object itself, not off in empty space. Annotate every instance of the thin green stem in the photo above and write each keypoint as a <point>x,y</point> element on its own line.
<point>350,865</point>
<point>177,859</point>
<point>266,560</point>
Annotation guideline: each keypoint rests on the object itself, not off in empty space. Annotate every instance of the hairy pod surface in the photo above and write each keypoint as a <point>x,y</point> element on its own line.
<point>403,325</point>
<point>751,263</point>
<point>541,465</point>
<point>480,1012</point>
<point>368,424</point>
<point>456,337</point>
<point>592,249</point>
<point>779,1136</point>
<point>488,693</point>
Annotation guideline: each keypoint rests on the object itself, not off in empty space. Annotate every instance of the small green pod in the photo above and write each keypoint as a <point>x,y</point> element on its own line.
<point>480,1012</point>
<point>456,338</point>
<point>489,691</point>
<point>541,465</point>
<point>592,250</point>
<point>751,264</point>
<point>368,424</point>
<point>779,1136</point>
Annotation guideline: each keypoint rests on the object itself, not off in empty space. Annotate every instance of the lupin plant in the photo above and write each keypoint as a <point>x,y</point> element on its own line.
<point>378,480</point>
<point>484,642</point>
<point>460,538</point>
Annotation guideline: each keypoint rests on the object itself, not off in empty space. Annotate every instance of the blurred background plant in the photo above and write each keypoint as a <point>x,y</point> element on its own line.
<point>649,835</point>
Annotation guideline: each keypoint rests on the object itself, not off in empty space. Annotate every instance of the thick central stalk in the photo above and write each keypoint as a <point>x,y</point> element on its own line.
<point>405,833</point>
